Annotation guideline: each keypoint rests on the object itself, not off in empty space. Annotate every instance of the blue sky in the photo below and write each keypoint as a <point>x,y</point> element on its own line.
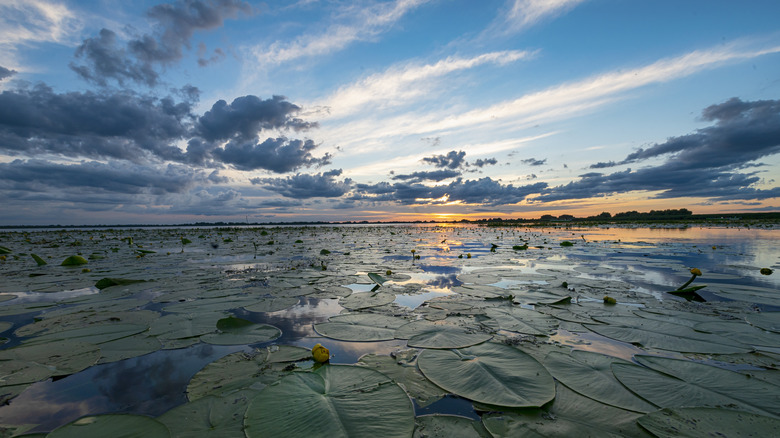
<point>148,112</point>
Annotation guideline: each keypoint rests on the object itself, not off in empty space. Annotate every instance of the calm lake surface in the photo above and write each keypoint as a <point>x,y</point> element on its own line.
<point>149,339</point>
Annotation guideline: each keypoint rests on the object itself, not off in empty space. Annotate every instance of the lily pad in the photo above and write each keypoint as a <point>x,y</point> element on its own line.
<point>38,260</point>
<point>232,373</point>
<point>365,300</point>
<point>360,327</point>
<point>114,425</point>
<point>238,331</point>
<point>664,335</point>
<point>108,282</point>
<point>490,373</point>
<point>569,415</point>
<point>406,375</point>
<point>521,320</point>
<point>698,422</point>
<point>334,400</point>
<point>673,383</point>
<point>74,260</point>
<point>376,278</point>
<point>448,426</point>
<point>213,417</point>
<point>590,374</point>
<point>272,304</point>
<point>424,334</point>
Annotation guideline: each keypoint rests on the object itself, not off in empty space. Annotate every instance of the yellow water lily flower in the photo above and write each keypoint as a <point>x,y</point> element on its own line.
<point>696,271</point>
<point>320,353</point>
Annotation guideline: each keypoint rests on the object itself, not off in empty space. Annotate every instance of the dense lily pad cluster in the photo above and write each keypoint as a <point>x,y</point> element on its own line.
<point>520,330</point>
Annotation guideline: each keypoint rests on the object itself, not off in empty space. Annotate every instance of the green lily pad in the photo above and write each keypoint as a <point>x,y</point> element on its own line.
<point>38,260</point>
<point>182,326</point>
<point>334,400</point>
<point>210,416</point>
<point>590,374</point>
<point>698,422</point>
<point>360,327</point>
<point>376,278</point>
<point>424,334</point>
<point>238,331</point>
<point>448,426</point>
<point>521,320</point>
<point>108,282</point>
<point>569,415</point>
<point>113,425</point>
<point>365,300</point>
<point>664,335</point>
<point>61,357</point>
<point>95,334</point>
<point>272,304</point>
<point>673,383</point>
<point>232,373</point>
<point>405,375</point>
<point>74,260</point>
<point>490,373</point>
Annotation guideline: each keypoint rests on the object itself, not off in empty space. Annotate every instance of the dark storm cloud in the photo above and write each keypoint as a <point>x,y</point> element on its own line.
<point>304,186</point>
<point>278,155</point>
<point>125,125</point>
<point>452,160</point>
<point>702,164</point>
<point>246,116</point>
<point>95,125</point>
<point>534,162</point>
<point>486,162</point>
<point>433,175</point>
<point>114,177</point>
<point>6,73</point>
<point>481,191</point>
<point>105,58</point>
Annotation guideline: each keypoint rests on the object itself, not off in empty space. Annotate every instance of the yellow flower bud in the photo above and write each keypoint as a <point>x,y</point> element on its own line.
<point>696,271</point>
<point>320,353</point>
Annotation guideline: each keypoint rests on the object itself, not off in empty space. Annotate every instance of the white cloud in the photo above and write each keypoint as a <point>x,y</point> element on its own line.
<point>362,24</point>
<point>400,84</point>
<point>554,103</point>
<point>25,22</point>
<point>523,14</point>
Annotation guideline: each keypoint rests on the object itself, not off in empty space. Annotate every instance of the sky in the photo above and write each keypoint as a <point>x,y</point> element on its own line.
<point>149,112</point>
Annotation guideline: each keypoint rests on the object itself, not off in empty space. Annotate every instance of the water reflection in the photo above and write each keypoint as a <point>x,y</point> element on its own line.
<point>149,384</point>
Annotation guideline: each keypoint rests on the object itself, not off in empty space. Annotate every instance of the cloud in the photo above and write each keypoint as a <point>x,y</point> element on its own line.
<point>481,191</point>
<point>398,85</point>
<point>554,103</point>
<point>352,24</point>
<point>278,155</point>
<point>27,22</point>
<point>6,73</point>
<point>246,116</point>
<point>452,160</point>
<point>522,14</point>
<point>91,177</point>
<point>105,59</point>
<point>434,175</point>
<point>706,163</point>
<point>534,162</point>
<point>304,186</point>
<point>127,126</point>
<point>485,162</point>
<point>93,125</point>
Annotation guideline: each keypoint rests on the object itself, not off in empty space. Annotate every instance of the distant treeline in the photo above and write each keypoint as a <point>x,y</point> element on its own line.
<point>669,215</point>
<point>682,214</point>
